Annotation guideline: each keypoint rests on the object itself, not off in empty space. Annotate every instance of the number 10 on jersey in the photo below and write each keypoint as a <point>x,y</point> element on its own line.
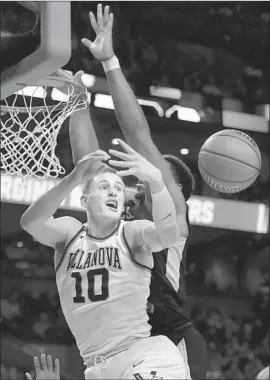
<point>93,275</point>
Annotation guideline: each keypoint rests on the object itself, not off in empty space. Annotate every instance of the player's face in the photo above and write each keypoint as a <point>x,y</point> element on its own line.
<point>106,196</point>
<point>143,193</point>
<point>140,190</point>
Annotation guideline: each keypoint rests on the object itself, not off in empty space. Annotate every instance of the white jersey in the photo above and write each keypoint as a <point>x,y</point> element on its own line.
<point>103,293</point>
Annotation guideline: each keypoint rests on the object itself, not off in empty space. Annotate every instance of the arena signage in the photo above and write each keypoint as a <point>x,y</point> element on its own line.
<point>203,211</point>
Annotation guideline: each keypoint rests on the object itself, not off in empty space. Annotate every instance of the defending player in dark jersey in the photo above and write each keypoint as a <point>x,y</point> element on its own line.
<point>167,307</point>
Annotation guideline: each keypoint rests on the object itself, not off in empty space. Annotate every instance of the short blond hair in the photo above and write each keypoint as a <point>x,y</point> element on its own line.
<point>87,185</point>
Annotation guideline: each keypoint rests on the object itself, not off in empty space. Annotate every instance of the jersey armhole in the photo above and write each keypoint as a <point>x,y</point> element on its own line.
<point>68,245</point>
<point>129,251</point>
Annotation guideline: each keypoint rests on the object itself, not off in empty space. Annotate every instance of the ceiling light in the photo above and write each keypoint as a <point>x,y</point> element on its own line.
<point>184,151</point>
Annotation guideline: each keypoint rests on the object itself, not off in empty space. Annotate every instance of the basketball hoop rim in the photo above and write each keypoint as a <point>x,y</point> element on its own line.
<point>58,106</point>
<point>28,144</point>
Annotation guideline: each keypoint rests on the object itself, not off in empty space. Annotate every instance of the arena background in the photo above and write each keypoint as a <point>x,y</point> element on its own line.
<point>208,57</point>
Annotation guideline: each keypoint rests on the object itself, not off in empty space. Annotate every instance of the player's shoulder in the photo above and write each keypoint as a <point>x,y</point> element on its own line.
<point>133,226</point>
<point>67,221</point>
<point>132,229</point>
<point>72,227</point>
<point>69,225</point>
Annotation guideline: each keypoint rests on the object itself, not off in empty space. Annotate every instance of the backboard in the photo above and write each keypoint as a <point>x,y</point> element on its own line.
<point>53,52</point>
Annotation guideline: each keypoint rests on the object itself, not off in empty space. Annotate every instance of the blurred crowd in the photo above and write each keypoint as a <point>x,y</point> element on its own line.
<point>34,316</point>
<point>211,47</point>
<point>214,48</point>
<point>238,347</point>
<point>11,373</point>
<point>31,313</point>
<point>237,338</point>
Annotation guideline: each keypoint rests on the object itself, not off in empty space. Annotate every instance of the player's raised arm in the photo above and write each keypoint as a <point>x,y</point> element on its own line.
<point>128,112</point>
<point>163,232</point>
<point>38,221</point>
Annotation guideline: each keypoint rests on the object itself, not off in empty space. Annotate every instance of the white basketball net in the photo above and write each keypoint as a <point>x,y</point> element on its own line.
<point>29,134</point>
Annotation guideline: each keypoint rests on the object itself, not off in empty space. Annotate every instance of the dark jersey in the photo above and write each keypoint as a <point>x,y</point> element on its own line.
<point>167,305</point>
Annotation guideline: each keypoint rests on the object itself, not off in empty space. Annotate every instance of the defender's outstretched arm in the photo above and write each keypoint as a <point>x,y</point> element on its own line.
<point>128,112</point>
<point>82,134</point>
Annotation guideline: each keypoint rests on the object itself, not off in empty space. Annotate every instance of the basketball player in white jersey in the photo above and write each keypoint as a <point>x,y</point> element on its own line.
<point>103,268</point>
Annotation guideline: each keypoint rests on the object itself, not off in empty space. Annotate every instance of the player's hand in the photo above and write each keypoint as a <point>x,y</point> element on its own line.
<point>67,89</point>
<point>90,165</point>
<point>45,370</point>
<point>102,47</point>
<point>134,163</point>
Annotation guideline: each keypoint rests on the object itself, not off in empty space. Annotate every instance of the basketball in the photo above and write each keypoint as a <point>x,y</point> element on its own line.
<point>229,161</point>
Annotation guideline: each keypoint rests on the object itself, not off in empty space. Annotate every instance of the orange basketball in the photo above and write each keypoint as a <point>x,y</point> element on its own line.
<point>229,161</point>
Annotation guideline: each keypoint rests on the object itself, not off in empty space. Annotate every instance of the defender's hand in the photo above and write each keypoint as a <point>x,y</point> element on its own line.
<point>102,47</point>
<point>45,370</point>
<point>90,165</point>
<point>135,164</point>
<point>76,79</point>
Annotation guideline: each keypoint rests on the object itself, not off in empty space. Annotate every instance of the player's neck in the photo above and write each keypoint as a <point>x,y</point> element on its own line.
<point>101,228</point>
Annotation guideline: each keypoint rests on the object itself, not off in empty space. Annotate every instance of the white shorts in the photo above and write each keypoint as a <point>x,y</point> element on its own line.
<point>152,358</point>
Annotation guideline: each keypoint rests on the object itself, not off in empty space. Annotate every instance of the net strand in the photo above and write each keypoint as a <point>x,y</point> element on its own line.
<point>28,143</point>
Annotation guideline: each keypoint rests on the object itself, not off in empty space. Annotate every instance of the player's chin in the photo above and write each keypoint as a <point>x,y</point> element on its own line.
<point>112,213</point>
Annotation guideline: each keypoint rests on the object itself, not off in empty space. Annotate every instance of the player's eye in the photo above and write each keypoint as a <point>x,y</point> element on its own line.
<point>119,188</point>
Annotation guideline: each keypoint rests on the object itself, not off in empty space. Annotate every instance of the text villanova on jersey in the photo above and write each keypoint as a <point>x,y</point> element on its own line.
<point>102,257</point>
